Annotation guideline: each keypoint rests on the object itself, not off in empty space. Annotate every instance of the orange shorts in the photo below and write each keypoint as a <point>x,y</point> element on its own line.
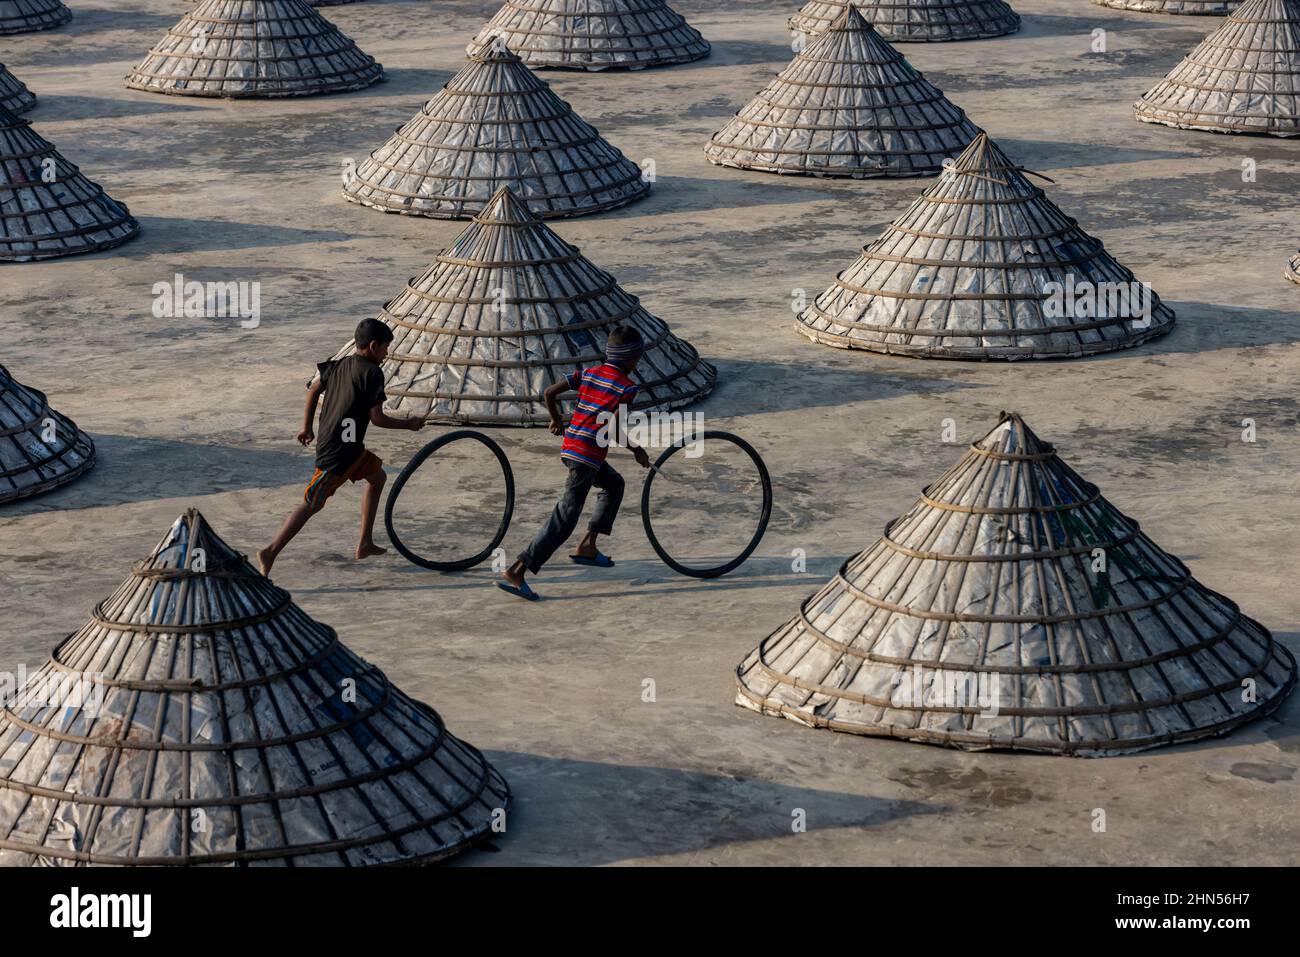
<point>325,484</point>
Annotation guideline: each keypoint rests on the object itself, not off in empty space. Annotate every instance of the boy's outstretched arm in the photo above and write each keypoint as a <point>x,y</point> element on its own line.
<point>382,420</point>
<point>552,399</point>
<point>625,440</point>
<point>308,434</point>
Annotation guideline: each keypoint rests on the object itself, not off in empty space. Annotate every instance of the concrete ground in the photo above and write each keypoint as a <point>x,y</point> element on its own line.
<point>193,412</point>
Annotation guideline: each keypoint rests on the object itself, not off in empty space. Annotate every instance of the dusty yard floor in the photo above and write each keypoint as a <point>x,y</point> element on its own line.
<point>191,412</point>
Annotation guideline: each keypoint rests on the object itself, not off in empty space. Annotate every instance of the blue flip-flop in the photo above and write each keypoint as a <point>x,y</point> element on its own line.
<point>600,561</point>
<point>523,591</point>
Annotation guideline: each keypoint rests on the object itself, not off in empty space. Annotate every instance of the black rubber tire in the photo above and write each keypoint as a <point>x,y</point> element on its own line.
<point>717,570</point>
<point>409,470</point>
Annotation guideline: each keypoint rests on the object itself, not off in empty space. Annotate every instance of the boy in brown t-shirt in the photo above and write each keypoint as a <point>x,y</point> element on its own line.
<point>354,399</point>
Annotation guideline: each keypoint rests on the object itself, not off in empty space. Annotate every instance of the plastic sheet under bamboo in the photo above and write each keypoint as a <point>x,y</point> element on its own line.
<point>510,309</point>
<point>225,736</point>
<point>915,21</point>
<point>40,449</point>
<point>964,274</point>
<point>848,105</point>
<point>593,34</point>
<point>1243,78</point>
<point>993,574</point>
<point>47,207</point>
<point>496,124</point>
<point>254,48</point>
<point>1215,8</point>
<point>14,95</point>
<point>25,16</point>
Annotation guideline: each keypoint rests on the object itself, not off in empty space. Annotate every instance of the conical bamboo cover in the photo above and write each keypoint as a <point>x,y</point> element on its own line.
<point>47,207</point>
<point>1293,268</point>
<point>1185,7</point>
<point>39,448</point>
<point>965,274</point>
<point>1243,78</point>
<point>24,16</point>
<point>594,34</point>
<point>510,309</point>
<point>496,124</point>
<point>848,105</point>
<point>1014,607</point>
<point>14,95</point>
<point>229,728</point>
<point>915,21</point>
<point>254,48</point>
<point>330,3</point>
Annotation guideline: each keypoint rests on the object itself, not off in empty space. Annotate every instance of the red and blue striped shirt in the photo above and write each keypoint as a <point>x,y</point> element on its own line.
<point>600,389</point>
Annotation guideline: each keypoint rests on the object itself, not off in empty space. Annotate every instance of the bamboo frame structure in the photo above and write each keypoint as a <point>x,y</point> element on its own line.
<point>915,21</point>
<point>1208,8</point>
<point>593,34</point>
<point>40,449</point>
<point>1292,270</point>
<point>202,718</point>
<point>254,48</point>
<point>966,273</point>
<point>28,16</point>
<point>1014,607</point>
<point>14,95</point>
<point>1242,78</point>
<point>509,309</point>
<point>848,105</point>
<point>495,124</point>
<point>47,207</point>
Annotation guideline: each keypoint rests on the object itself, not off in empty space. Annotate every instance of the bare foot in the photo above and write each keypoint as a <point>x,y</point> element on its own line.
<point>369,549</point>
<point>265,560</point>
<point>514,578</point>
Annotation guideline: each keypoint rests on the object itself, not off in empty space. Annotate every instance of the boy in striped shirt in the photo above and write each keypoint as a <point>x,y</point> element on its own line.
<point>601,390</point>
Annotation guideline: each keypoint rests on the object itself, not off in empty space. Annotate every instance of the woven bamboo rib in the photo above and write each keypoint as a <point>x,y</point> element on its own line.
<point>29,464</point>
<point>509,309</point>
<point>915,21</point>
<point>848,105</point>
<point>47,207</point>
<point>227,733</point>
<point>254,48</point>
<point>593,34</point>
<point>963,274</point>
<point>496,124</point>
<point>14,95</point>
<point>1242,78</point>
<point>26,16</point>
<point>992,578</point>
<point>1292,271</point>
<point>1184,7</point>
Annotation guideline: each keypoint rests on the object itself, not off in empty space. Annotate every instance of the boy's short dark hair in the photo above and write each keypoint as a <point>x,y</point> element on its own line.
<point>624,344</point>
<point>372,330</point>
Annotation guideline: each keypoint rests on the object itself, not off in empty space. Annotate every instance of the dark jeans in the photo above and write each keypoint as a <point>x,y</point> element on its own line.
<point>564,519</point>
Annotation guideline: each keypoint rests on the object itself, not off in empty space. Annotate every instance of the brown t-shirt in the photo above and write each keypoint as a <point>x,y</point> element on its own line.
<point>353,386</point>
